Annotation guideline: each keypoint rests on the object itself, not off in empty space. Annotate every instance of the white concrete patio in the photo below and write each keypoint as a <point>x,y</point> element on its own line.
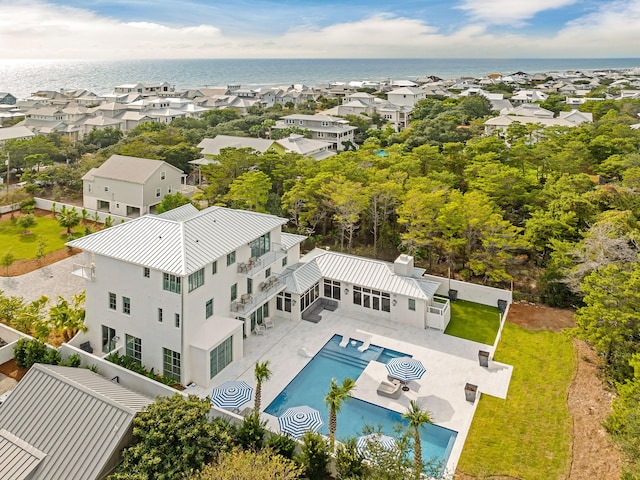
<point>450,362</point>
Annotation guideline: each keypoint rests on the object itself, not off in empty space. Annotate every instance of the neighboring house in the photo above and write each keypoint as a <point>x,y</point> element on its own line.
<point>7,99</point>
<point>336,131</point>
<point>499,124</point>
<point>64,423</point>
<point>528,110</point>
<point>528,96</point>
<point>14,133</point>
<point>577,117</point>
<point>305,146</point>
<point>210,147</point>
<point>184,287</point>
<point>146,89</point>
<point>398,115</point>
<point>406,96</point>
<point>129,186</point>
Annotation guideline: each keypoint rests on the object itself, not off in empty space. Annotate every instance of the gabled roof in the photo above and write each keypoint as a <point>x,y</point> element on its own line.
<point>361,271</point>
<point>75,417</point>
<point>181,246</point>
<point>406,91</point>
<point>212,146</point>
<point>128,169</point>
<point>8,133</point>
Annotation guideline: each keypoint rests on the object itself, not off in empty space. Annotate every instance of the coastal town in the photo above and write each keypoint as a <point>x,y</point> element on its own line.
<point>238,253</point>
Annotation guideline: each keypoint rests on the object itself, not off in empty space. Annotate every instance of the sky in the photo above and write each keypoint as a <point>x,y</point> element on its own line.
<point>136,29</point>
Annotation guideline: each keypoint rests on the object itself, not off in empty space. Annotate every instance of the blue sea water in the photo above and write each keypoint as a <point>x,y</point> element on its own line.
<point>22,77</point>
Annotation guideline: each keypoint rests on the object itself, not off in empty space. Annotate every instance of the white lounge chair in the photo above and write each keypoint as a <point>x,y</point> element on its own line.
<point>303,352</point>
<point>260,329</point>
<point>390,390</point>
<point>365,345</point>
<point>345,341</point>
<point>268,322</point>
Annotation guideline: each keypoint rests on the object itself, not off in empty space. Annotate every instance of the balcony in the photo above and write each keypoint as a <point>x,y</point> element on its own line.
<point>88,272</point>
<point>266,290</point>
<point>256,265</point>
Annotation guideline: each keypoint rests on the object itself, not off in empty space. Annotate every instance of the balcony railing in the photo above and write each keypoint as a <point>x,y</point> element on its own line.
<point>265,291</point>
<point>88,272</point>
<point>256,264</point>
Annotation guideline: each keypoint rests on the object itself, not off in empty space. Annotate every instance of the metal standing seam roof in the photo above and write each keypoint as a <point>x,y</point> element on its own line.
<point>74,416</point>
<point>129,169</point>
<point>359,271</point>
<point>179,247</point>
<point>288,240</point>
<point>17,458</point>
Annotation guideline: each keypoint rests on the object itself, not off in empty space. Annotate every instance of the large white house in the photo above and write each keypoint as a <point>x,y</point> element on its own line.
<point>336,131</point>
<point>130,186</point>
<point>178,292</point>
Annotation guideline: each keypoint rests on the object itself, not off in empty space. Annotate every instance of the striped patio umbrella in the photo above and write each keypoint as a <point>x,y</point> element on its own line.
<point>405,368</point>
<point>298,420</point>
<point>385,441</point>
<point>231,394</point>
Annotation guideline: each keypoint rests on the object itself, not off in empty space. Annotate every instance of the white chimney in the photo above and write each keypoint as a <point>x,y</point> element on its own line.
<point>403,265</point>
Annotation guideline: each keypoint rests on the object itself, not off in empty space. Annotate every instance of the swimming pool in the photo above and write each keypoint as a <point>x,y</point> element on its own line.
<point>311,385</point>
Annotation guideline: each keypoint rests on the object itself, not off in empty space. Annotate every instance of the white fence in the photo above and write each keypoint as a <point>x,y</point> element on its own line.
<point>44,204</point>
<point>10,336</point>
<point>471,291</point>
<point>127,378</point>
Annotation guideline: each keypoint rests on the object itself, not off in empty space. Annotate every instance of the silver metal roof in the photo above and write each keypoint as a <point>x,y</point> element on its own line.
<point>130,169</point>
<point>288,240</point>
<point>356,270</point>
<point>179,247</point>
<point>74,416</point>
<point>180,213</point>
<point>17,458</point>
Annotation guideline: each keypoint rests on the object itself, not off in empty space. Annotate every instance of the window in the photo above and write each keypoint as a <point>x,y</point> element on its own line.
<point>332,289</point>
<point>412,304</point>
<point>374,299</point>
<point>146,273</point>
<point>163,175</point>
<point>171,364</point>
<point>283,302</point>
<point>260,245</point>
<point>106,189</point>
<point>208,308</point>
<point>126,305</point>
<point>267,272</point>
<point>284,262</point>
<point>310,296</point>
<point>196,279</point>
<point>249,285</point>
<point>89,187</point>
<point>320,134</point>
<point>231,258</point>
<point>171,283</point>
<point>220,357</point>
<point>234,291</point>
<point>157,192</point>
<point>134,348</point>
<point>169,189</point>
<point>112,301</point>
<point>160,315</point>
<point>108,339</point>
<point>177,320</point>
<point>214,268</point>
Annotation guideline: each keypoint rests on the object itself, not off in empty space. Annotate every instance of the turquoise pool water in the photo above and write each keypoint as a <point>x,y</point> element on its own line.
<point>311,385</point>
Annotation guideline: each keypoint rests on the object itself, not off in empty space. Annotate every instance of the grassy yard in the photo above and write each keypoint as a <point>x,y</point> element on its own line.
<point>528,435</point>
<point>25,247</point>
<point>474,321</point>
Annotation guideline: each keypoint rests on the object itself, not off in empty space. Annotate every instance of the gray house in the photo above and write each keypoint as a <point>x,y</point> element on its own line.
<point>7,99</point>
<point>63,423</point>
<point>130,186</point>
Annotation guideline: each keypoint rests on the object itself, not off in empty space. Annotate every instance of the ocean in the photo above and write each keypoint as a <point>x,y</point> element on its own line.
<point>22,77</point>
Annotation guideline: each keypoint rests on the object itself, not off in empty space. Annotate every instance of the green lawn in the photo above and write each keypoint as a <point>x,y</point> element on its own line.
<point>528,435</point>
<point>25,247</point>
<point>474,321</point>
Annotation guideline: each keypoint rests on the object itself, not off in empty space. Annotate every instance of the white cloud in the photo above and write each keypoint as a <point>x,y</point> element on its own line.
<point>505,12</point>
<point>35,29</point>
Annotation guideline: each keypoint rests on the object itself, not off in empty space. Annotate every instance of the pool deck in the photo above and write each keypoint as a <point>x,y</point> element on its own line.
<point>451,363</point>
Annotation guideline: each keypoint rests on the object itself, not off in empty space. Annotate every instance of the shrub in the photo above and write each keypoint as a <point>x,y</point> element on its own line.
<point>282,445</point>
<point>30,351</point>
<point>28,205</point>
<point>251,431</point>
<point>315,456</point>
<point>349,460</point>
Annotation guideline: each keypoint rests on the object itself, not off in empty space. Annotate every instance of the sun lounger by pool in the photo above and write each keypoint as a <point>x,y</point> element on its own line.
<point>391,390</point>
<point>345,341</point>
<point>365,345</point>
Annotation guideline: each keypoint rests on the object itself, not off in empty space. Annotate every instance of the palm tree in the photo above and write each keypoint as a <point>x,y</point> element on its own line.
<point>67,318</point>
<point>417,417</point>
<point>262,373</point>
<point>334,400</point>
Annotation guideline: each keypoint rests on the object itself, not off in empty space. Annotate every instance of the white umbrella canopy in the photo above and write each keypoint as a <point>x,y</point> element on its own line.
<point>405,368</point>
<point>232,394</point>
<point>385,441</point>
<point>298,420</point>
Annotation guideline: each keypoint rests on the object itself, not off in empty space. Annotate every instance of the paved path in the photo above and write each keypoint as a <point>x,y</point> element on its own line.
<point>52,280</point>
